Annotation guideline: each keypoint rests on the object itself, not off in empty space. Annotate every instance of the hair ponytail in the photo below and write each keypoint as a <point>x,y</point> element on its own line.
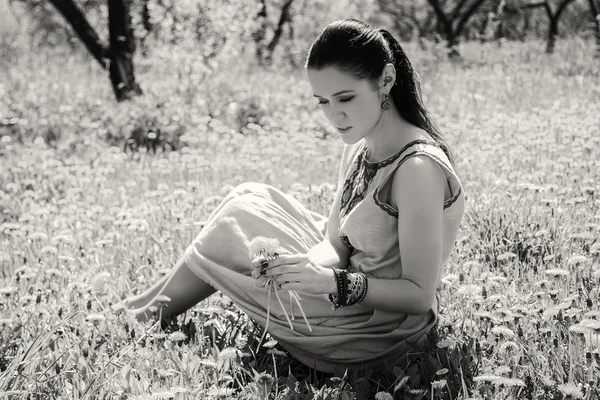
<point>356,47</point>
<point>406,93</point>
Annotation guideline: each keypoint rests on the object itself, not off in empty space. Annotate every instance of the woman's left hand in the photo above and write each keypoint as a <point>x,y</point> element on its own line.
<point>298,272</point>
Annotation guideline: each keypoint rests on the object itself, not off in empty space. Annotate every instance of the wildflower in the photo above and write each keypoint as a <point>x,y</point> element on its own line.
<point>99,281</point>
<point>508,346</point>
<point>9,290</point>
<point>486,378</point>
<point>570,390</point>
<point>446,343</point>
<point>438,385</point>
<point>557,272</point>
<point>264,379</point>
<point>383,396</point>
<point>506,256</point>
<point>162,299</point>
<point>504,331</point>
<point>95,318</point>
<point>503,370</point>
<point>221,392</point>
<point>576,260</point>
<point>509,381</point>
<point>177,336</point>
<point>585,326</point>
<point>401,384</point>
<point>469,289</point>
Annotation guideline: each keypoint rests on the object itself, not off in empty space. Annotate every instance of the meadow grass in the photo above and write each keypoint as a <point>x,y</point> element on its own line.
<point>90,215</point>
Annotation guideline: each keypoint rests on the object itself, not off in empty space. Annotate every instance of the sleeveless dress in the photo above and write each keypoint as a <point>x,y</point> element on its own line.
<point>355,337</point>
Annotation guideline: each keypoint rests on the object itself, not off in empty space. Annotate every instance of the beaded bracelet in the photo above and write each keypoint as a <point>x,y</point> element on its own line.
<point>352,288</point>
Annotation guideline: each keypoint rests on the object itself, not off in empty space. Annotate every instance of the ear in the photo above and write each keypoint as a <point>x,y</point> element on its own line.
<point>388,77</point>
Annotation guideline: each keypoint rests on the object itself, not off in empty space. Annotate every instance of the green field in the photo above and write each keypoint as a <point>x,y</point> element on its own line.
<point>86,221</point>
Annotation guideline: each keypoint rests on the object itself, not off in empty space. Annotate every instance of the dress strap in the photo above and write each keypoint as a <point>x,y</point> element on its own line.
<point>382,195</point>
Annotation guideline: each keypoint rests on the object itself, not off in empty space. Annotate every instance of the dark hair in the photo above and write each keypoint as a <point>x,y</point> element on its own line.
<point>363,51</point>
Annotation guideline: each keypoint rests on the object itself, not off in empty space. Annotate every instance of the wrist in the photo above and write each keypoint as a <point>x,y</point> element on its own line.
<point>331,286</point>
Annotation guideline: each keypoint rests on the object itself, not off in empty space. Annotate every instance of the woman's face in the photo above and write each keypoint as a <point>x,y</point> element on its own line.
<point>346,101</point>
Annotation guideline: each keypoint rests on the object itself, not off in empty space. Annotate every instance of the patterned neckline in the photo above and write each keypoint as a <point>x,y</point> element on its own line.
<point>392,158</point>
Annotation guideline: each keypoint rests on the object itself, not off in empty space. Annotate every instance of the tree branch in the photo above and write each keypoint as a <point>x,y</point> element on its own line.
<point>84,30</point>
<point>439,12</point>
<point>468,15</point>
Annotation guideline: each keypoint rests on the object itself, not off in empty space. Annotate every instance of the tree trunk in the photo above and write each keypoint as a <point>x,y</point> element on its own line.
<point>554,19</point>
<point>147,27</point>
<point>122,46</point>
<point>595,9</point>
<point>552,34</point>
<point>283,18</point>
<point>84,30</point>
<point>260,32</point>
<point>453,24</point>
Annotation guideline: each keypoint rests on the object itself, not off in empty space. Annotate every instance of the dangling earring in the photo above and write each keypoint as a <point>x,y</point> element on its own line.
<point>386,104</point>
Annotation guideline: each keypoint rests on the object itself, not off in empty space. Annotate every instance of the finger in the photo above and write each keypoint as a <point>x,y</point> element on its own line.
<point>286,260</point>
<point>261,282</point>
<point>258,261</point>
<point>281,270</point>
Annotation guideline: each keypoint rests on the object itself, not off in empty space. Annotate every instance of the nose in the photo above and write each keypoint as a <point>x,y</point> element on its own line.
<point>337,116</point>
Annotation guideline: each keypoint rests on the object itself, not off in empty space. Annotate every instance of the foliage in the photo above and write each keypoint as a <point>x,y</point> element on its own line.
<point>84,223</point>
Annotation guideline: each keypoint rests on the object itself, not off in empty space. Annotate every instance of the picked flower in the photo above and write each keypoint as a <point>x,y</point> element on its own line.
<point>270,249</point>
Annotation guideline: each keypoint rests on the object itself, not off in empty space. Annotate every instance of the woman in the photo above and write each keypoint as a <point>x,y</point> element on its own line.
<point>367,275</point>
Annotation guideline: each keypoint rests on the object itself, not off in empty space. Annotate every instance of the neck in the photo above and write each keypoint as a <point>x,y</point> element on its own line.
<point>388,136</point>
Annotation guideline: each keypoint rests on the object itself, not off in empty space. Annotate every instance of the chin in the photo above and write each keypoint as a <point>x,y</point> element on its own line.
<point>349,139</point>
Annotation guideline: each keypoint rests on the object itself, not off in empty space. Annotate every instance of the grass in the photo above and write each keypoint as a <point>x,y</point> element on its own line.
<point>90,215</point>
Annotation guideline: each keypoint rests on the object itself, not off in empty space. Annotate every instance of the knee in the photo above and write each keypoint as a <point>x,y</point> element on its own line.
<point>248,187</point>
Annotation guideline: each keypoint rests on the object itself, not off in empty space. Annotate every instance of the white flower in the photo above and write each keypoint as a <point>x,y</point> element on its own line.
<point>486,378</point>
<point>570,390</point>
<point>557,272</point>
<point>383,396</point>
<point>503,330</point>
<point>177,336</point>
<point>261,245</point>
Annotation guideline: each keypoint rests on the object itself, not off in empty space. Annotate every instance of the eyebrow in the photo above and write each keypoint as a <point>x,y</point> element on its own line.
<point>337,94</point>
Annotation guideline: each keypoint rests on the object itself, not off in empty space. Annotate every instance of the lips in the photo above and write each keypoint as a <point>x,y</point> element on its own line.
<point>344,129</point>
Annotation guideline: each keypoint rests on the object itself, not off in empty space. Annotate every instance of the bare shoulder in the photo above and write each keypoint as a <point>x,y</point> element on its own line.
<point>419,180</point>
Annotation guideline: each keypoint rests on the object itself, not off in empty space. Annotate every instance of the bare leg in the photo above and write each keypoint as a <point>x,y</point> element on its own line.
<point>181,285</point>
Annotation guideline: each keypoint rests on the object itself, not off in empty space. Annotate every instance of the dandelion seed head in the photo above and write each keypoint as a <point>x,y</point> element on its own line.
<point>509,381</point>
<point>261,245</point>
<point>383,396</point>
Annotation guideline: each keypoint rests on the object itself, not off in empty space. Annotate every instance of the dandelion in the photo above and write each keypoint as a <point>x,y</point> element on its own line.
<point>269,249</point>
<point>469,290</point>
<point>177,336</point>
<point>576,260</point>
<point>506,256</point>
<point>509,381</point>
<point>557,272</point>
<point>508,346</point>
<point>504,331</point>
<point>570,390</point>
<point>383,396</point>
<point>446,343</point>
<point>95,318</point>
<point>438,385</point>
<point>8,291</point>
<point>503,370</point>
<point>486,378</point>
<point>221,392</point>
<point>99,281</point>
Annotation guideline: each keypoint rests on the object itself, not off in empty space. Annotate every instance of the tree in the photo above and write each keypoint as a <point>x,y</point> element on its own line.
<point>264,48</point>
<point>554,13</point>
<point>595,10</point>
<point>407,23</point>
<point>117,57</point>
<point>453,21</point>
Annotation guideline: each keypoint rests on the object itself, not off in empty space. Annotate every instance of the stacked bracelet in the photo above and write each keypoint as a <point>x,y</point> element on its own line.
<point>352,288</point>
